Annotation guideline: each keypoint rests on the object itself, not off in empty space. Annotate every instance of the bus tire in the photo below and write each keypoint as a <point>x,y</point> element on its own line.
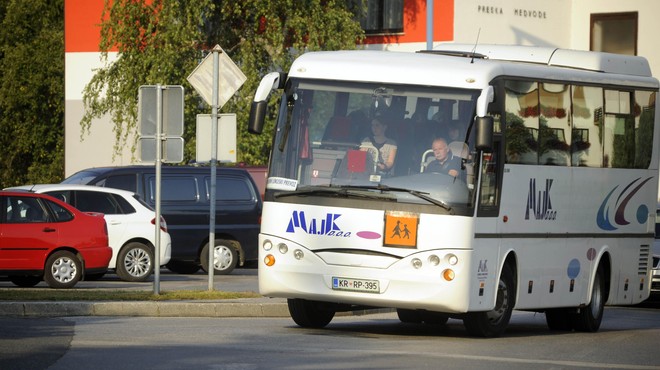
<point>493,323</point>
<point>409,316</point>
<point>311,314</point>
<point>588,318</point>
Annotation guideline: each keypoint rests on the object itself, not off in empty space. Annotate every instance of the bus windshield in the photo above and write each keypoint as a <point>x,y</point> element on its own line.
<point>410,144</point>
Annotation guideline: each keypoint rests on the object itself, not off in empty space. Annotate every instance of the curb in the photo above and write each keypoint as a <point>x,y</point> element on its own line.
<point>153,309</point>
<point>246,308</point>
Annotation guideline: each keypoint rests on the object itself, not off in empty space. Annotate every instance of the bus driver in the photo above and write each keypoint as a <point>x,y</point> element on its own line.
<point>444,162</point>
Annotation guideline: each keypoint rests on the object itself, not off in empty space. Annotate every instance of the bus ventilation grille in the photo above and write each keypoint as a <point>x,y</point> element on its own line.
<point>644,255</point>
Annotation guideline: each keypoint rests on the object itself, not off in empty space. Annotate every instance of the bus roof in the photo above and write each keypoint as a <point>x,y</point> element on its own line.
<point>473,71</point>
<point>579,59</point>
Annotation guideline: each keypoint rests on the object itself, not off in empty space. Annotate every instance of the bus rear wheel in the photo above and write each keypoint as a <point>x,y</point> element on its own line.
<point>311,314</point>
<point>493,323</point>
<point>588,318</point>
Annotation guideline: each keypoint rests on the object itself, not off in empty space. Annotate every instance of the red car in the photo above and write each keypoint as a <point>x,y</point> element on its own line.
<point>44,238</point>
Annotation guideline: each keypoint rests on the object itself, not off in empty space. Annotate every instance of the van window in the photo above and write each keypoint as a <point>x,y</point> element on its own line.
<point>124,182</point>
<point>174,189</point>
<point>230,189</point>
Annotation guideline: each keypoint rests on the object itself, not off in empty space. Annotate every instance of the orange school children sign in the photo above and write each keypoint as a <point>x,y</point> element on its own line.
<point>401,229</point>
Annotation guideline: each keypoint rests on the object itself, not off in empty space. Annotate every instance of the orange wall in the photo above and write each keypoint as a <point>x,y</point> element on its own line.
<point>82,19</point>
<point>414,23</point>
<point>82,30</point>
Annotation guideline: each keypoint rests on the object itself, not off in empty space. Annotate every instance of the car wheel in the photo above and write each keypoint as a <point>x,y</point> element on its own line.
<point>494,322</point>
<point>181,267</point>
<point>311,314</point>
<point>135,262</point>
<point>63,270</point>
<point>25,281</point>
<point>225,256</point>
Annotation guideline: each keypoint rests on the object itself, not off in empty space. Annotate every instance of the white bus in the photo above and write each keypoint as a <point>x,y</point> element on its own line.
<point>551,210</point>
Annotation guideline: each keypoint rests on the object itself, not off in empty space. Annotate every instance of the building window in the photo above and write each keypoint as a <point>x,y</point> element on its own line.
<point>379,16</point>
<point>614,33</point>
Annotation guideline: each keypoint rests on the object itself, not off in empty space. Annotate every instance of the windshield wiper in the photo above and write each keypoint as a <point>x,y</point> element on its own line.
<point>344,192</point>
<point>419,194</point>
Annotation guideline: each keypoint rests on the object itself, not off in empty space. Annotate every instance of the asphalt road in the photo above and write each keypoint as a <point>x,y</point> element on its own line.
<point>240,280</point>
<point>628,339</point>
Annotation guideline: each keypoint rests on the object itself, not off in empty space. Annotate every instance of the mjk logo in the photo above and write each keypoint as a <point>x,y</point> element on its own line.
<point>539,202</point>
<point>326,226</point>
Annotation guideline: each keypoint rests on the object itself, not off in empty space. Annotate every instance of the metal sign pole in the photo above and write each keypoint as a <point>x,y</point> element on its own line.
<point>214,156</point>
<point>159,156</point>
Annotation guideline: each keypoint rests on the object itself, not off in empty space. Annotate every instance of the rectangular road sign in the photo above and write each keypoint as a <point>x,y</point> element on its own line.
<point>226,138</point>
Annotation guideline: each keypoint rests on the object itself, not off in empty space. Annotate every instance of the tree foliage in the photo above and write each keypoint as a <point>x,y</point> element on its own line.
<point>162,41</point>
<point>32,91</point>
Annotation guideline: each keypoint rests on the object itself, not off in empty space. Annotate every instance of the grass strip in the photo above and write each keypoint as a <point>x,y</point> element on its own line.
<point>116,295</point>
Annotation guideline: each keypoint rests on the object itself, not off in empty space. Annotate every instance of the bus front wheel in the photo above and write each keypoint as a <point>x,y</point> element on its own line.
<point>493,323</point>
<point>311,314</point>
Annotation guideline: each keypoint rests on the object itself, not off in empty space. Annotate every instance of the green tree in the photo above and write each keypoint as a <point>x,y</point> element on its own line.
<point>162,41</point>
<point>32,91</point>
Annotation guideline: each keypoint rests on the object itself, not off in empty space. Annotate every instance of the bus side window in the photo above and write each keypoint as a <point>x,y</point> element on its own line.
<point>489,198</point>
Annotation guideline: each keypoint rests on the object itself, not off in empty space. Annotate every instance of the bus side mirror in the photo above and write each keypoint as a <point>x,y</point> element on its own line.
<point>484,134</point>
<point>257,116</point>
<point>270,82</point>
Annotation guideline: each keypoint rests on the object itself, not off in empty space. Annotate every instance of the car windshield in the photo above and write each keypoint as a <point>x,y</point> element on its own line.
<point>415,143</point>
<point>81,178</point>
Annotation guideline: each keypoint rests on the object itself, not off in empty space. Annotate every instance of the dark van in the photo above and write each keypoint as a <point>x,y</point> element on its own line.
<point>185,195</point>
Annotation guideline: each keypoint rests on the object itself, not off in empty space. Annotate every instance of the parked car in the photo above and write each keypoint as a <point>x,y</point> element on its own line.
<point>131,225</point>
<point>655,251</point>
<point>43,238</point>
<point>185,204</point>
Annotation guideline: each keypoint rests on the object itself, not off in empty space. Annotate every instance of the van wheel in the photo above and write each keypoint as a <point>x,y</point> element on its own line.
<point>135,262</point>
<point>181,267</point>
<point>25,281</point>
<point>63,270</point>
<point>225,256</point>
<point>494,322</point>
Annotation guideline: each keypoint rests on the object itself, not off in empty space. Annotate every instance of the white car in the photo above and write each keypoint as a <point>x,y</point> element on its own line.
<point>131,225</point>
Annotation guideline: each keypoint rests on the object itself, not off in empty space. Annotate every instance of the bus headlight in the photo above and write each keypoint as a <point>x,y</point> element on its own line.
<point>282,248</point>
<point>417,263</point>
<point>452,259</point>
<point>268,245</point>
<point>434,260</point>
<point>298,254</point>
<point>448,274</point>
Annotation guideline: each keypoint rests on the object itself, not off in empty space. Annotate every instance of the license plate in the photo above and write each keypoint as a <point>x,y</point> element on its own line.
<point>355,285</point>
